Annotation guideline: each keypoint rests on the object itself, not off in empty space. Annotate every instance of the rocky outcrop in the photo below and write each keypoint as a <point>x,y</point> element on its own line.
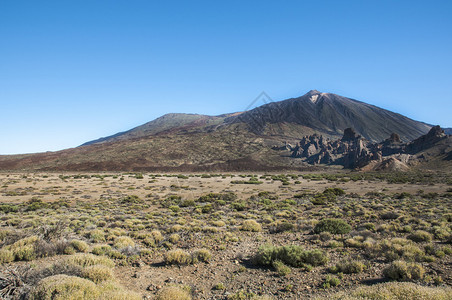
<point>435,135</point>
<point>353,151</point>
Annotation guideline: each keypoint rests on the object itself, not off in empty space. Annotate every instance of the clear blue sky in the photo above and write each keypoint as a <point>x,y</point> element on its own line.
<point>73,71</point>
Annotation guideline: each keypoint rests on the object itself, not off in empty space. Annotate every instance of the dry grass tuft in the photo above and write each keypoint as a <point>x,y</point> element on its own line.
<point>86,260</point>
<point>173,293</point>
<point>396,291</point>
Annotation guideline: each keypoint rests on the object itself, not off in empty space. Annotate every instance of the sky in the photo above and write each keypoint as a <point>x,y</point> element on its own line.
<point>76,70</point>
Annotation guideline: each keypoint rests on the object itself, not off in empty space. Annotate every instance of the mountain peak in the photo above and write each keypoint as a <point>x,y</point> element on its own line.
<point>313,95</point>
<point>313,92</point>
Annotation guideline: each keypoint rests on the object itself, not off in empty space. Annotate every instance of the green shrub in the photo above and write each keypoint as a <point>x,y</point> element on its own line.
<point>349,267</point>
<point>202,255</point>
<point>239,206</point>
<point>86,260</point>
<point>153,239</point>
<point>178,257</point>
<point>208,208</point>
<point>97,236</point>
<point>79,246</point>
<point>394,249</point>
<point>390,215</point>
<point>187,203</point>
<point>334,226</point>
<point>353,243</point>
<point>420,236</point>
<point>63,287</point>
<point>251,225</point>
<point>69,250</point>
<point>219,287</point>
<point>35,204</point>
<point>335,191</point>
<point>328,196</point>
<point>395,290</point>
<point>6,256</point>
<point>115,254</point>
<point>292,255</point>
<point>173,293</point>
<point>281,226</point>
<point>97,273</point>
<point>174,208</point>
<point>101,249</point>
<point>8,208</point>
<point>174,238</point>
<point>111,290</point>
<point>400,270</point>
<point>370,226</point>
<point>243,295</point>
<point>281,268</point>
<point>23,249</point>
<point>123,241</point>
<point>25,253</point>
<point>331,281</point>
<point>131,199</point>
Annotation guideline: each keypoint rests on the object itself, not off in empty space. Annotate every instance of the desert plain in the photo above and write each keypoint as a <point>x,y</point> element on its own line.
<point>225,236</point>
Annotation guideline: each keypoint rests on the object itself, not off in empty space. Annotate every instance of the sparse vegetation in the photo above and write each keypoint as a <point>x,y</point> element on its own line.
<point>85,227</point>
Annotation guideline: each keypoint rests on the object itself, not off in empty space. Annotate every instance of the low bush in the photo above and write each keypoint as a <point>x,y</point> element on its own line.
<point>131,199</point>
<point>390,215</point>
<point>153,239</point>
<point>6,256</point>
<point>181,257</point>
<point>281,268</point>
<point>79,246</point>
<point>86,260</point>
<point>395,290</point>
<point>122,242</point>
<point>97,273</point>
<point>401,270</point>
<point>331,281</point>
<point>97,236</point>
<point>281,226</point>
<point>334,226</point>
<point>202,255</point>
<point>251,225</point>
<point>349,267</point>
<point>394,249</point>
<point>178,257</point>
<point>64,287</point>
<point>420,236</point>
<point>110,290</point>
<point>23,249</point>
<point>293,255</point>
<point>173,293</point>
<point>101,249</point>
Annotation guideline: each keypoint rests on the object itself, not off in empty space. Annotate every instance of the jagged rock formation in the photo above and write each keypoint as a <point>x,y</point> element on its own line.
<point>354,151</point>
<point>426,141</point>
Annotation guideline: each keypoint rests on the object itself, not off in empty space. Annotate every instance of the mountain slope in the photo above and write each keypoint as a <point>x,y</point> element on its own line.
<point>231,142</point>
<point>330,114</point>
<point>162,124</point>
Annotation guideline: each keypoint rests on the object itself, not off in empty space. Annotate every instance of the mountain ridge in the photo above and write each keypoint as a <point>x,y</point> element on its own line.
<point>234,141</point>
<point>329,114</point>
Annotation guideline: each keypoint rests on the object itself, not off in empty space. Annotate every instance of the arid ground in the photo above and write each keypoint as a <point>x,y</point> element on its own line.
<point>225,236</point>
